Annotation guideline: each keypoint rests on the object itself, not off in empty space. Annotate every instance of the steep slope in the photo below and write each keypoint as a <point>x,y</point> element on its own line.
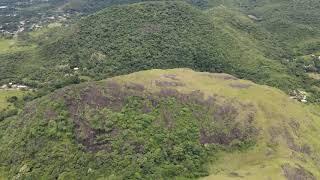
<point>169,35</point>
<point>163,124</point>
<point>296,24</point>
<point>293,21</point>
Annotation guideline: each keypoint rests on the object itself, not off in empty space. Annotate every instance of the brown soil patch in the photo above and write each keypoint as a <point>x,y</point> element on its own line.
<point>168,83</point>
<point>295,126</point>
<point>275,133</point>
<point>222,76</point>
<point>93,96</point>
<point>295,147</point>
<point>150,28</point>
<point>226,116</point>
<point>171,76</point>
<point>85,134</point>
<point>29,110</point>
<point>238,85</point>
<point>296,173</point>
<point>278,132</point>
<point>135,86</point>
<point>112,96</point>
<point>50,114</point>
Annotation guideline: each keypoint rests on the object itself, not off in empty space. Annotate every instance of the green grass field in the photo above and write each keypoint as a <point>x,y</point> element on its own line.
<point>12,45</point>
<point>6,45</point>
<point>5,94</point>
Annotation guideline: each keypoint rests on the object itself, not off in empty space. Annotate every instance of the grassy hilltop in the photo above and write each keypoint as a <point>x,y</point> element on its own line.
<point>163,124</point>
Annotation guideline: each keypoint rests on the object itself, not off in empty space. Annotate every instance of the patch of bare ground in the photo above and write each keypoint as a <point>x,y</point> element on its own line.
<point>275,134</point>
<point>29,110</point>
<point>50,114</point>
<point>235,175</point>
<point>222,76</point>
<point>161,83</point>
<point>228,126</point>
<point>283,132</point>
<point>149,28</point>
<point>294,146</point>
<point>93,96</point>
<point>296,173</point>
<point>295,126</point>
<point>238,85</point>
<point>85,134</point>
<point>112,96</point>
<point>171,76</point>
<point>135,87</point>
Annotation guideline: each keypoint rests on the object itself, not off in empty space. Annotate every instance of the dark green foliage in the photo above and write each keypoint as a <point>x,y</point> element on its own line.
<point>90,6</point>
<point>8,113</point>
<point>294,24</point>
<point>161,35</point>
<point>12,99</point>
<point>170,35</point>
<point>95,131</point>
<point>103,132</point>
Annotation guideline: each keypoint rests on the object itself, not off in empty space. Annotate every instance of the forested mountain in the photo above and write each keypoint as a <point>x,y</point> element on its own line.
<point>168,35</point>
<point>162,124</point>
<point>295,23</point>
<point>127,119</point>
<point>261,54</point>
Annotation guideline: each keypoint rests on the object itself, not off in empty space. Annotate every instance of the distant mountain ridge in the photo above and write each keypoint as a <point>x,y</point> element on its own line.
<point>166,34</point>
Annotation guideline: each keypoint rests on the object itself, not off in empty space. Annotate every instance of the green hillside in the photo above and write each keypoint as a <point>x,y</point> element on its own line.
<point>167,89</point>
<point>169,35</point>
<point>161,124</point>
<point>219,37</point>
<point>295,24</point>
